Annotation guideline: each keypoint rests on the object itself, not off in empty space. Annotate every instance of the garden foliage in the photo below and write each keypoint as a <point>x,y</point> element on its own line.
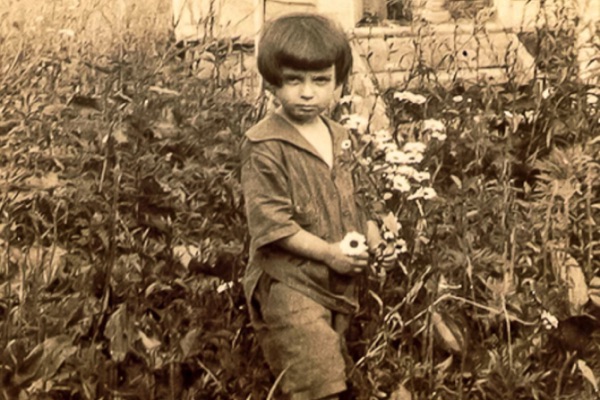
<point>122,234</point>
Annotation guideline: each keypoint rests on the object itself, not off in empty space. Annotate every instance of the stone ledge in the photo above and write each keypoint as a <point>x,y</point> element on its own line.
<point>458,27</point>
<point>400,79</point>
<point>441,51</point>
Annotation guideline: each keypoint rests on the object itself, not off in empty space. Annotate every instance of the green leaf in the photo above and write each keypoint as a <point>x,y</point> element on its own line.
<point>588,374</point>
<point>594,291</point>
<point>46,182</point>
<point>149,343</point>
<point>118,332</point>
<point>572,275</point>
<point>456,181</point>
<point>186,254</point>
<point>448,332</point>
<point>188,343</point>
<point>45,359</point>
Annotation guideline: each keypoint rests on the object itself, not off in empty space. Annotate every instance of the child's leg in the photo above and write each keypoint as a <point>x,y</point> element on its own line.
<point>299,341</point>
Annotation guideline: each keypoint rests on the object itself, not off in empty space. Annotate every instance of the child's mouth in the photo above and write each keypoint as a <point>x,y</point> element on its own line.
<point>307,108</point>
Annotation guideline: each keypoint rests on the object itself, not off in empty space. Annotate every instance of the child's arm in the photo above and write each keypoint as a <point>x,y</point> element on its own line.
<point>305,244</point>
<point>269,211</point>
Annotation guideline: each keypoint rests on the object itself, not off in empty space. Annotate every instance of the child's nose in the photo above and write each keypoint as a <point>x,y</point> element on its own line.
<point>307,91</point>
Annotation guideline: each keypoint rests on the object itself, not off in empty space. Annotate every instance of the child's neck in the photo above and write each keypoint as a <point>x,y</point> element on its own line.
<point>317,134</point>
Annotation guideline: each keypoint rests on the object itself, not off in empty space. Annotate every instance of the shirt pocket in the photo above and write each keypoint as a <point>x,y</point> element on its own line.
<point>305,216</point>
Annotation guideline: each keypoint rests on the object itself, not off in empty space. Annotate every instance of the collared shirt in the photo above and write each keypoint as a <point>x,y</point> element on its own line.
<point>287,187</point>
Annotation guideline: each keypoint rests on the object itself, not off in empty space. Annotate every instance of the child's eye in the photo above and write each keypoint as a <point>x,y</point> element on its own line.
<point>323,80</point>
<point>292,80</point>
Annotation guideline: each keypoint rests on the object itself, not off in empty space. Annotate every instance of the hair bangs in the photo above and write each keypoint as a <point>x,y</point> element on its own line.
<point>308,54</point>
<point>306,42</point>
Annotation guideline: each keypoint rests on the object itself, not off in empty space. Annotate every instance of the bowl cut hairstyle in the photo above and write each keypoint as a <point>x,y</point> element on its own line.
<point>303,41</point>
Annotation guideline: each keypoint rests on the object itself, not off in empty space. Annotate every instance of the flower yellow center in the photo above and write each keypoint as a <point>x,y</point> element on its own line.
<point>354,244</point>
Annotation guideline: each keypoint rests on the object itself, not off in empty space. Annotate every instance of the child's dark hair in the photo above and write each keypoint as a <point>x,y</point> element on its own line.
<point>303,41</point>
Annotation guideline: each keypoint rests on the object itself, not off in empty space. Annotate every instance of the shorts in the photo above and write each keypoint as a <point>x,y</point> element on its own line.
<point>302,341</point>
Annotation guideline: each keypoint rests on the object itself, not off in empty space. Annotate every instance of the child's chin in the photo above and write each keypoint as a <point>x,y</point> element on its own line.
<point>304,117</point>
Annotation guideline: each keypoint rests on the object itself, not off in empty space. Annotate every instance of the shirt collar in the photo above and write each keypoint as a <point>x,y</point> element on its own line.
<point>275,127</point>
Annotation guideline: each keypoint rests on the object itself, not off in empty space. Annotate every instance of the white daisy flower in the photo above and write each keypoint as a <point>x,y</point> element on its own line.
<point>354,244</point>
<point>457,99</point>
<point>396,157</point>
<point>423,193</point>
<point>383,133</point>
<point>355,122</point>
<point>387,235</point>
<point>429,193</point>
<point>414,158</point>
<point>346,144</point>
<point>419,99</point>
<point>410,97</point>
<point>406,170</point>
<point>400,183</point>
<point>414,147</point>
<point>549,321</point>
<point>401,246</point>
<point>386,146</point>
<point>433,125</point>
<point>402,95</point>
<point>439,136</point>
<point>422,176</point>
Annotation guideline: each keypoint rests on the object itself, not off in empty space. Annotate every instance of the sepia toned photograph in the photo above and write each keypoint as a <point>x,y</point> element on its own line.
<point>300,199</point>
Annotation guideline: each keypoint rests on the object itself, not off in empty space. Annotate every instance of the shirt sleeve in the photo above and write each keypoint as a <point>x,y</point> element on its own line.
<point>269,208</point>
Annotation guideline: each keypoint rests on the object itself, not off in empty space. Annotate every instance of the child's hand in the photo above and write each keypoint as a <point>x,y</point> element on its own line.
<point>346,264</point>
<point>386,256</point>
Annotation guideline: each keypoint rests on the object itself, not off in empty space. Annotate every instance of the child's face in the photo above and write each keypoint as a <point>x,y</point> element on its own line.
<point>304,95</point>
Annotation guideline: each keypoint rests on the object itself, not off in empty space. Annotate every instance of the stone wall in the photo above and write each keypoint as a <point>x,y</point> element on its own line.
<point>244,17</point>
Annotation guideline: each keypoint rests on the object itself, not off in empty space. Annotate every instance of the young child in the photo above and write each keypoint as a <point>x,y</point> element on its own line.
<point>300,203</point>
